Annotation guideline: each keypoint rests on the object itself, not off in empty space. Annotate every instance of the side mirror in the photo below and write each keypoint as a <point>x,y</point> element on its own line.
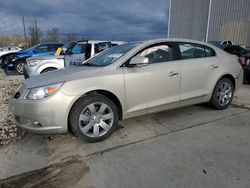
<point>138,61</point>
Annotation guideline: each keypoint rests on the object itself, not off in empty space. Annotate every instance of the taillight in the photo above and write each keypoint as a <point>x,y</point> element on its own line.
<point>240,62</point>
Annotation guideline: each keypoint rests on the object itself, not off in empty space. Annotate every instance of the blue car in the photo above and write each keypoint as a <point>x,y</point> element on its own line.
<point>16,61</point>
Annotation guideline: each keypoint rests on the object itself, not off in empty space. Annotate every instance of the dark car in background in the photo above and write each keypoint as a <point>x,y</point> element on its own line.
<point>247,74</point>
<point>239,51</point>
<point>244,56</point>
<point>221,43</point>
<point>16,61</point>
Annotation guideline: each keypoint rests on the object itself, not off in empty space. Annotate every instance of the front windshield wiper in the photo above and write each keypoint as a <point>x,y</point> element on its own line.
<point>88,64</point>
<point>91,64</point>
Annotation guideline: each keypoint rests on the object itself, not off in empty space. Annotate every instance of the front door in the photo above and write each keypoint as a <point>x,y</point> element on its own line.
<point>155,85</point>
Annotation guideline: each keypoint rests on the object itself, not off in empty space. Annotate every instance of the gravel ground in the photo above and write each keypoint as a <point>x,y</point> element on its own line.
<point>9,133</point>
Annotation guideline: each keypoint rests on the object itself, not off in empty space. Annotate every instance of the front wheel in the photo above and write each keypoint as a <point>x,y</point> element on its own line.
<point>19,67</point>
<point>223,94</point>
<point>93,118</point>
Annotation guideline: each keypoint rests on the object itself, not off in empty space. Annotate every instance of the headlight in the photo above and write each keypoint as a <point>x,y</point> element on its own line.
<point>33,62</point>
<point>14,59</point>
<point>42,92</point>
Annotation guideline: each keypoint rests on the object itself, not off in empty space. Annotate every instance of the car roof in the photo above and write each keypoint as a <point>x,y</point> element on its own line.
<point>176,40</point>
<point>51,43</point>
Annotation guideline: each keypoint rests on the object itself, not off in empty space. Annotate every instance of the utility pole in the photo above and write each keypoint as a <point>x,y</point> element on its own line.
<point>24,31</point>
<point>36,32</point>
<point>208,20</point>
<point>169,17</point>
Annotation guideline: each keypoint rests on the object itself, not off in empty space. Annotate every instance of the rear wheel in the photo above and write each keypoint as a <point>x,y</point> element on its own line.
<point>48,69</point>
<point>19,67</point>
<point>93,118</point>
<point>223,94</point>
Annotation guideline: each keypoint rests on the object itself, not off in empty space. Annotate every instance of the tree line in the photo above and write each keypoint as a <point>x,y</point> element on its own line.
<point>35,35</point>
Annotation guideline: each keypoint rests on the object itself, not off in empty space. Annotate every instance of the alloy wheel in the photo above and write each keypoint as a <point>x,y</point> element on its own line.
<point>224,93</point>
<point>96,119</point>
<point>19,68</point>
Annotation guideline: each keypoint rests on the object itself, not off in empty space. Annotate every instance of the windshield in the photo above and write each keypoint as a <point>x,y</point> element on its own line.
<point>110,55</point>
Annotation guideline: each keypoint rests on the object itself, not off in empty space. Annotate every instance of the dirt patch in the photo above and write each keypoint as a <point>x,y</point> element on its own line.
<point>46,151</point>
<point>63,174</point>
<point>240,105</point>
<point>9,133</point>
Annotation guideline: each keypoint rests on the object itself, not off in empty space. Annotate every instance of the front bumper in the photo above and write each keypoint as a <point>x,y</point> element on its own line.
<point>43,116</point>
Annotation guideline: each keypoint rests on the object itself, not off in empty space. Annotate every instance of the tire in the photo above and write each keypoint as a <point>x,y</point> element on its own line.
<point>48,70</point>
<point>19,67</point>
<point>223,94</point>
<point>4,63</point>
<point>93,118</point>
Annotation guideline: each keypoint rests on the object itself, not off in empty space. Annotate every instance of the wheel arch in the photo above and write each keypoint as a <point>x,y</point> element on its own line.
<point>48,64</point>
<point>105,93</point>
<point>228,76</point>
<point>51,67</point>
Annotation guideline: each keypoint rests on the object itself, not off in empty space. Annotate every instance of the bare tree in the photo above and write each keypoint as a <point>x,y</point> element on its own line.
<point>70,37</point>
<point>4,40</point>
<point>35,34</point>
<point>53,35</point>
<point>17,40</point>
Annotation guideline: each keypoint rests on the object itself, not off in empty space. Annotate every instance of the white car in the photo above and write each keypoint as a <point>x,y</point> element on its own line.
<point>73,53</point>
<point>9,49</point>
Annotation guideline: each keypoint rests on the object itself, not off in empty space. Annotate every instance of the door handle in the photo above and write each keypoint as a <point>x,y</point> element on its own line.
<point>214,67</point>
<point>173,73</point>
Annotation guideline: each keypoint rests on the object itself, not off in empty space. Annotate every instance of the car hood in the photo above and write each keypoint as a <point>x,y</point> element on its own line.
<point>47,57</point>
<point>23,52</point>
<point>62,75</point>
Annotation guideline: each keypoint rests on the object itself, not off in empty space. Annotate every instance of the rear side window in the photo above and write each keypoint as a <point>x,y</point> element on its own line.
<point>189,50</point>
<point>209,51</point>
<point>99,47</point>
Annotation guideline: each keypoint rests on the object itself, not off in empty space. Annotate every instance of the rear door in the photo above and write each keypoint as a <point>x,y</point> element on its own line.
<point>198,67</point>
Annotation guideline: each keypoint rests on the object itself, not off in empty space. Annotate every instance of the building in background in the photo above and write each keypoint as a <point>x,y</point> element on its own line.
<point>208,20</point>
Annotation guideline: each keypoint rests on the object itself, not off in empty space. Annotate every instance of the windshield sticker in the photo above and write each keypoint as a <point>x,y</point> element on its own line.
<point>115,55</point>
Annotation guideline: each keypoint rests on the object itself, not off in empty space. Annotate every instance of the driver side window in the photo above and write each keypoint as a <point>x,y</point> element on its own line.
<point>157,54</point>
<point>79,49</point>
<point>42,48</point>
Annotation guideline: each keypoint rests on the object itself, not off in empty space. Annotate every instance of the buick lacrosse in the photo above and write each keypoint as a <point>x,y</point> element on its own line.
<point>126,81</point>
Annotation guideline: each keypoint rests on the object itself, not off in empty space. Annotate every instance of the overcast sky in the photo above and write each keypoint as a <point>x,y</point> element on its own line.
<point>98,19</point>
